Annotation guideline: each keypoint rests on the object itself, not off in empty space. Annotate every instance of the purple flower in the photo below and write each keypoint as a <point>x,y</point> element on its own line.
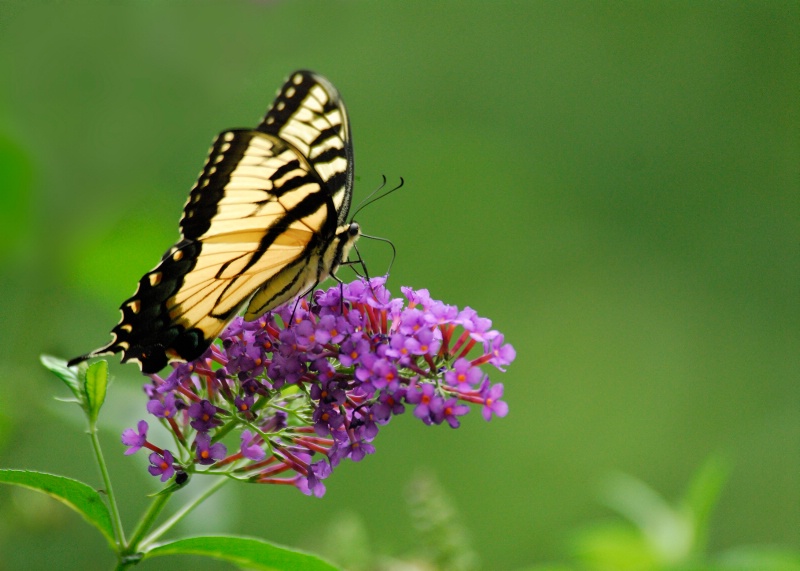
<point>161,465</point>
<point>318,377</point>
<point>382,373</point>
<point>135,439</point>
<point>180,374</point>
<point>328,393</point>
<point>165,409</point>
<point>312,483</point>
<point>250,446</point>
<point>439,313</point>
<point>429,341</point>
<point>491,400</point>
<point>324,370</point>
<point>244,403</point>
<point>417,297</point>
<point>501,354</point>
<point>401,348</point>
<point>478,327</point>
<point>363,423</point>
<point>204,415</point>
<point>251,361</point>
<point>411,321</point>
<point>206,452</point>
<point>389,403</point>
<point>448,411</point>
<point>463,375</point>
<point>326,419</point>
<point>352,350</point>
<point>307,334</point>
<point>425,397</point>
<point>335,328</point>
<point>357,449</point>
<point>286,368</point>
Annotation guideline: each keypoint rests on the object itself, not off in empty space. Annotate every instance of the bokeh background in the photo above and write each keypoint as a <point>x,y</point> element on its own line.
<point>615,184</point>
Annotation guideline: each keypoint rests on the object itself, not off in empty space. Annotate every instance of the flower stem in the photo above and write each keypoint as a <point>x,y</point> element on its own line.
<point>181,513</point>
<point>147,521</point>
<point>116,521</point>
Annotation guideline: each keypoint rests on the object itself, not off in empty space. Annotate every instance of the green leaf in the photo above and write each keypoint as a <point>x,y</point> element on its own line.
<point>668,531</point>
<point>79,496</point>
<point>703,494</point>
<point>244,551</point>
<point>96,385</point>
<point>63,372</point>
<point>614,546</point>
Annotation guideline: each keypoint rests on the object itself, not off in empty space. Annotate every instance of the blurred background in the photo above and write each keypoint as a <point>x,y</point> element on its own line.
<point>616,185</point>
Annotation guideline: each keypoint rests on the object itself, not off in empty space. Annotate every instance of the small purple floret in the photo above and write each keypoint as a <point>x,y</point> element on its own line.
<point>206,452</point>
<point>135,439</point>
<point>162,465</point>
<point>251,446</point>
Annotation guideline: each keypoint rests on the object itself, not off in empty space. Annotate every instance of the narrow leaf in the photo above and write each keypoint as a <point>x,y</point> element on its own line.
<point>79,496</point>
<point>70,378</point>
<point>96,385</point>
<point>702,496</point>
<point>245,552</point>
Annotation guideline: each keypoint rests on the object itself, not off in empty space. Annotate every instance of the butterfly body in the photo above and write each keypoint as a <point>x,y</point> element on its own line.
<point>265,222</point>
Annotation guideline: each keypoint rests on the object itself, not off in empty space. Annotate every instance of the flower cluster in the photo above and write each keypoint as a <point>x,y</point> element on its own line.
<point>310,384</point>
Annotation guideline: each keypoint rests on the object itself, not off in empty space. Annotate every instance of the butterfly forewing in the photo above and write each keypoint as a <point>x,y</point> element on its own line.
<point>309,114</point>
<point>258,227</point>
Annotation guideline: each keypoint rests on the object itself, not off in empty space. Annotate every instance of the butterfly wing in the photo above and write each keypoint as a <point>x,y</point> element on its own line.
<point>309,114</point>
<point>262,217</point>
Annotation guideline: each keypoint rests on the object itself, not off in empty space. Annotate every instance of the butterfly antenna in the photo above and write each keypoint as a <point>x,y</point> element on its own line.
<point>361,204</point>
<point>391,245</point>
<point>372,198</point>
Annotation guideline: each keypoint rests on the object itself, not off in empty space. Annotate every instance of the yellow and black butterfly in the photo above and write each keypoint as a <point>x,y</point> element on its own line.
<point>265,222</point>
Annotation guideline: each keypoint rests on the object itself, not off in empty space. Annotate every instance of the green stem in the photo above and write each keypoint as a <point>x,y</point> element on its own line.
<point>116,521</point>
<point>147,521</point>
<point>181,513</point>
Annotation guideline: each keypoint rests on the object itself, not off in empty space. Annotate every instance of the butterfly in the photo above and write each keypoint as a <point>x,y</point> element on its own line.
<point>265,222</point>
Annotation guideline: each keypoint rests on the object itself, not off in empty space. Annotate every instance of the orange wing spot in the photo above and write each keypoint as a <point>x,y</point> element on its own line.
<point>155,278</point>
<point>126,327</point>
<point>135,306</point>
<point>177,256</point>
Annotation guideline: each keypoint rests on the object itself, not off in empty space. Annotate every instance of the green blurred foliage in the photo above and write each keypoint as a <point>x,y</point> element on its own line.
<point>614,184</point>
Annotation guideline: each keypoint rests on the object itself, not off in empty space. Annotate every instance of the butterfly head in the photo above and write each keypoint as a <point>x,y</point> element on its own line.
<point>346,236</point>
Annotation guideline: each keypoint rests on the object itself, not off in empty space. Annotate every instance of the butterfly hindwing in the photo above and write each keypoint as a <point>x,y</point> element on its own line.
<point>261,225</point>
